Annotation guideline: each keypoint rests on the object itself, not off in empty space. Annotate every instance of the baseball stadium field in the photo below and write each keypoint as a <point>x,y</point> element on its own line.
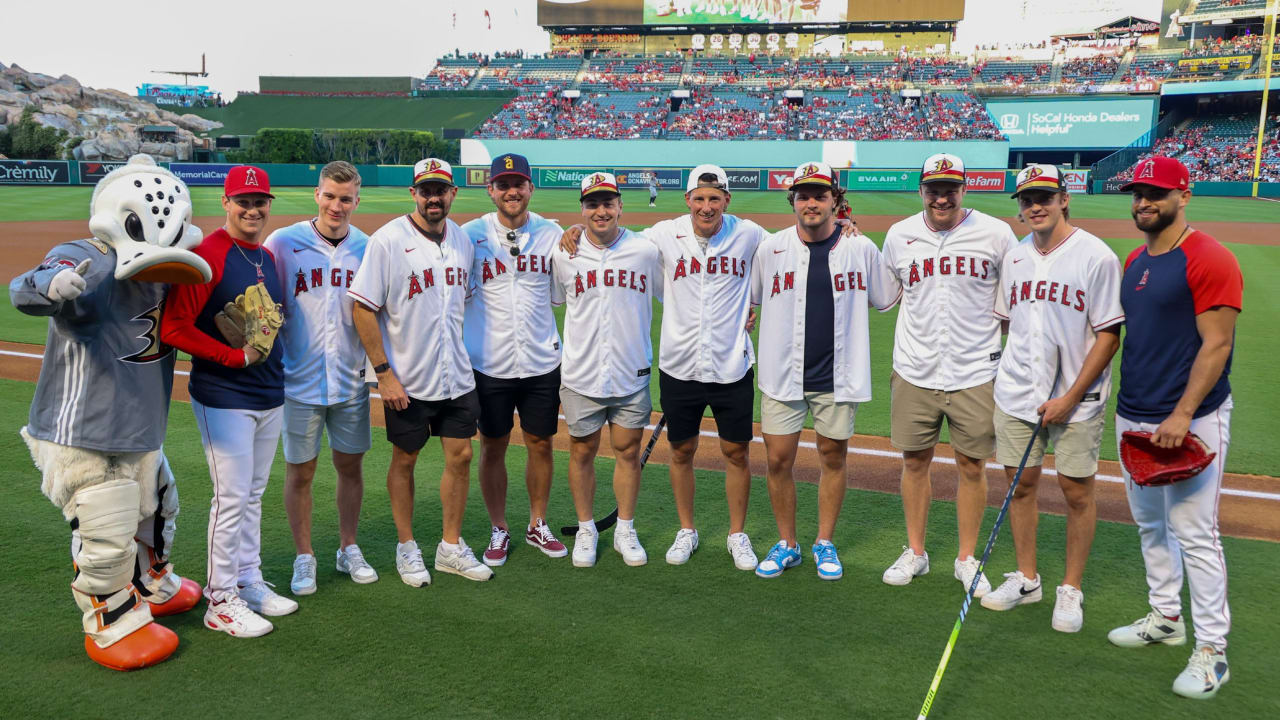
<point>699,640</point>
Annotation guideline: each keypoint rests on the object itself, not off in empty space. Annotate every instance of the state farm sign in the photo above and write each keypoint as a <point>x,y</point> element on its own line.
<point>984,180</point>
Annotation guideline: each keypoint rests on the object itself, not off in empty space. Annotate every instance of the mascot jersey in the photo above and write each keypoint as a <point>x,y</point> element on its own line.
<point>106,377</point>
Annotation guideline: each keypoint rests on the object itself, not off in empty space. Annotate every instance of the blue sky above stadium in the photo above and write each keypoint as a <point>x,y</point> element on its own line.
<point>119,45</point>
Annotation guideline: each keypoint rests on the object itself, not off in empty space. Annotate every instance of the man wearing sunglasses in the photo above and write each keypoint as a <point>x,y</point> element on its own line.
<point>510,334</point>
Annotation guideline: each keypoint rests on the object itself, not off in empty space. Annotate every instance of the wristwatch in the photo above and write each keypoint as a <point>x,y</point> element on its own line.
<point>379,369</point>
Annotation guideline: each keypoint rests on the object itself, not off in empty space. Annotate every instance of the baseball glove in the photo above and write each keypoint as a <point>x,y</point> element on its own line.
<point>1151,466</point>
<point>253,320</point>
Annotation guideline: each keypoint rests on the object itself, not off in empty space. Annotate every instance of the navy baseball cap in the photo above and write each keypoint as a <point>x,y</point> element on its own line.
<point>509,164</point>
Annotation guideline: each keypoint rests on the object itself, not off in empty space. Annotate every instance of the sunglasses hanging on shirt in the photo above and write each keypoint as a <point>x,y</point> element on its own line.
<point>512,247</point>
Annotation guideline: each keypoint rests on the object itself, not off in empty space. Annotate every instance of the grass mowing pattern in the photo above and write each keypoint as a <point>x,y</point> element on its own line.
<point>545,639</point>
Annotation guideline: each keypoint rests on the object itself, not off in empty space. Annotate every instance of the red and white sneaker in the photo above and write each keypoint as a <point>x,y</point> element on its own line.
<point>499,544</point>
<point>541,537</point>
<point>232,616</point>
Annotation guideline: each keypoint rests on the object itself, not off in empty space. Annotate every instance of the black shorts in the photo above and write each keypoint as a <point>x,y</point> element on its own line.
<point>410,428</point>
<point>537,398</point>
<point>732,404</point>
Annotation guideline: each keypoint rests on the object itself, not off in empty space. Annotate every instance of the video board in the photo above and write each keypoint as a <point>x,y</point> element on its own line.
<point>552,13</point>
<point>1093,124</point>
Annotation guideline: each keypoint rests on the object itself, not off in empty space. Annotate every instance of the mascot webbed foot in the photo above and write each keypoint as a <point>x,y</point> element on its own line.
<point>144,647</point>
<point>187,597</point>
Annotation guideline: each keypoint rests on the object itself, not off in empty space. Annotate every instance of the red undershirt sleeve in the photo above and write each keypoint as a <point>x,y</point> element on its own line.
<point>183,306</point>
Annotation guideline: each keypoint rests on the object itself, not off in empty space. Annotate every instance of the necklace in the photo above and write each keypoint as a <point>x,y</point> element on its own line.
<point>256,265</point>
<point>1181,237</point>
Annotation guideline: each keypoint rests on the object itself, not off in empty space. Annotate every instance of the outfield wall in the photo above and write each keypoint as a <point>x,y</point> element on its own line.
<point>733,153</point>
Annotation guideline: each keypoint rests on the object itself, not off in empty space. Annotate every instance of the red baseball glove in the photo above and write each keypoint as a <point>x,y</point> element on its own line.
<point>1151,466</point>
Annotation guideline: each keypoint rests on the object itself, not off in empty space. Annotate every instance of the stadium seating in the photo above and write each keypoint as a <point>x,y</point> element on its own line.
<point>1220,148</point>
<point>1090,71</point>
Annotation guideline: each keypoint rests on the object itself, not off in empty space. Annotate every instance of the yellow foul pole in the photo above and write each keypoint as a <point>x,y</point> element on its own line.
<point>1272,7</point>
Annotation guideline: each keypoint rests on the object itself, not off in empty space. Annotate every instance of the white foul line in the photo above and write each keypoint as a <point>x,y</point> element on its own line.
<point>853,450</point>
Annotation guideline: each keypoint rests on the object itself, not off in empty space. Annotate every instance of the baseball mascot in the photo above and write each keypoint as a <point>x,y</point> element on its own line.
<point>101,406</point>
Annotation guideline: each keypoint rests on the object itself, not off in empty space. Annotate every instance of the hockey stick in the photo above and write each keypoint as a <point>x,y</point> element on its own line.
<point>986,554</point>
<point>607,521</point>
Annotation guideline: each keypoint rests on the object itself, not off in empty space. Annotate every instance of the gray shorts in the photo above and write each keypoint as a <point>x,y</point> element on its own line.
<point>1075,445</point>
<point>831,419</point>
<point>347,422</point>
<point>585,415</point>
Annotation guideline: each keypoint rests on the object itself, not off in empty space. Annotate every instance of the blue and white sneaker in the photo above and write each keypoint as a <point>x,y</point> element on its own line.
<point>828,562</point>
<point>780,558</point>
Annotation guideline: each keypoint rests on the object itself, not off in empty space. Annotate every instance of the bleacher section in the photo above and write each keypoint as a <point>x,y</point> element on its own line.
<point>1090,71</point>
<point>1153,65</point>
<point>1220,148</point>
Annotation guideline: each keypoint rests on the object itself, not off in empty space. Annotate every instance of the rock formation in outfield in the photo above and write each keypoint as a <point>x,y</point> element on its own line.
<point>108,120</point>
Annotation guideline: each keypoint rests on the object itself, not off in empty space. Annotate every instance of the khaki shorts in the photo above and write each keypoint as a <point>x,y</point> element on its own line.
<point>585,415</point>
<point>915,417</point>
<point>831,419</point>
<point>1075,445</point>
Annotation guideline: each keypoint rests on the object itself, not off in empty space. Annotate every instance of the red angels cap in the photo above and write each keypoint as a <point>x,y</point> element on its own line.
<point>1161,172</point>
<point>814,173</point>
<point>599,182</point>
<point>942,167</point>
<point>432,170</point>
<point>1038,177</point>
<point>246,179</point>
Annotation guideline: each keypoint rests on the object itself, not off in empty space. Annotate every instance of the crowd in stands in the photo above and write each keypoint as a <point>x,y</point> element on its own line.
<point>884,116</point>
<point>545,116</point>
<point>1218,47</point>
<point>742,116</point>
<point>445,78</point>
<point>1212,156</point>
<point>1097,69</point>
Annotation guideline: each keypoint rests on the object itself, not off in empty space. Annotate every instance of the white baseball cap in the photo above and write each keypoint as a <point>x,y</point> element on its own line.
<point>432,170</point>
<point>598,182</point>
<point>942,167</point>
<point>1038,177</point>
<point>814,173</point>
<point>722,179</point>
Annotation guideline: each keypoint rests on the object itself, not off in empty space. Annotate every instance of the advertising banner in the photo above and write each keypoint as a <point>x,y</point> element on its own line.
<point>877,180</point>
<point>35,172</point>
<point>201,173</point>
<point>685,12</point>
<point>984,180</point>
<point>1112,186</point>
<point>92,172</point>
<point>1095,123</point>
<point>779,179</point>
<point>639,179</point>
<point>477,176</point>
<point>559,177</point>
<point>744,179</point>
<point>1077,181</point>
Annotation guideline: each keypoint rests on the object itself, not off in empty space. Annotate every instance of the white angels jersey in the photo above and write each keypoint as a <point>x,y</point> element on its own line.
<point>946,338</point>
<point>779,283</point>
<point>324,361</point>
<point>418,288</point>
<point>705,297</point>
<point>608,296</point>
<point>509,330</point>
<point>1055,303</point>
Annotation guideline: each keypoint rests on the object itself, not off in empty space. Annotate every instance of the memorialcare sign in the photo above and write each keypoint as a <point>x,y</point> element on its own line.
<point>1093,124</point>
<point>200,173</point>
<point>35,172</point>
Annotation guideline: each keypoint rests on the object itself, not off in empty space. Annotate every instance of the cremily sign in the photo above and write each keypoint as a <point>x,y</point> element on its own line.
<point>1072,124</point>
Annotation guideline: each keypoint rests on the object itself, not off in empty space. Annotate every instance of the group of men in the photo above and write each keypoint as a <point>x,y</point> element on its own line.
<point>457,327</point>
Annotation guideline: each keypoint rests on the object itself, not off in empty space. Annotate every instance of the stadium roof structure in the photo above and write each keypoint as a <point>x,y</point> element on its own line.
<point>1124,27</point>
<point>1247,11</point>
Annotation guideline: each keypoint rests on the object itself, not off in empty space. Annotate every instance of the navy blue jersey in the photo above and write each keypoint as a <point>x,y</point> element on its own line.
<point>820,316</point>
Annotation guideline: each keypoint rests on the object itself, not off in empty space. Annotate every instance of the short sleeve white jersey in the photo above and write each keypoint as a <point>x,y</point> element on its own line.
<point>324,361</point>
<point>418,288</point>
<point>1055,303</point>
<point>946,337</point>
<point>705,298</point>
<point>510,331</point>
<point>608,295</point>
<point>779,283</point>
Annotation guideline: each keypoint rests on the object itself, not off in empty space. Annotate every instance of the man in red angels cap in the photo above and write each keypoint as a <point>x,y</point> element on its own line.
<point>236,393</point>
<point>1181,292</point>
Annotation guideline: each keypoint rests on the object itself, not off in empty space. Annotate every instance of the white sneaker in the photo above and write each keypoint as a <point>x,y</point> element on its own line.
<point>1150,629</point>
<point>686,542</point>
<point>1068,616</point>
<point>263,600</point>
<point>231,616</point>
<point>1206,671</point>
<point>351,561</point>
<point>908,566</point>
<point>627,543</point>
<point>413,571</point>
<point>584,547</point>
<point>964,573</point>
<point>744,557</point>
<point>1014,591</point>
<point>304,575</point>
<point>461,561</point>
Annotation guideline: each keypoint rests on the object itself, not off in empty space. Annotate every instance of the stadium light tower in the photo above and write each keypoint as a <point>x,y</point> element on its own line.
<point>187,74</point>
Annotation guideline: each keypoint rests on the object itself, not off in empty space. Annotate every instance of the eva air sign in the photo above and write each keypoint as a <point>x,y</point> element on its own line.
<point>561,177</point>
<point>882,179</point>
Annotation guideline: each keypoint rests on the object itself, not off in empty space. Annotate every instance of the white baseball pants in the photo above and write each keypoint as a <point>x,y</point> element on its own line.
<point>1178,524</point>
<point>239,446</point>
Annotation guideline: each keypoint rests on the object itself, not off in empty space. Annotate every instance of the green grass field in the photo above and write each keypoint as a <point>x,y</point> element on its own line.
<point>249,113</point>
<point>544,639</point>
<point>1252,450</point>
